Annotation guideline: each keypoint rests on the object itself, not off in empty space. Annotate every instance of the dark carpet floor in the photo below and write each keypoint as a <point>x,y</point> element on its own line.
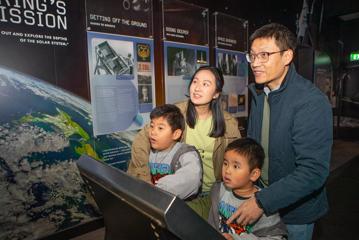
<point>341,222</point>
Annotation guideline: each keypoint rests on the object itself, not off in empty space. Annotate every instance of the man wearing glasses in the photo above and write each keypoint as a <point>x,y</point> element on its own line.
<point>292,120</point>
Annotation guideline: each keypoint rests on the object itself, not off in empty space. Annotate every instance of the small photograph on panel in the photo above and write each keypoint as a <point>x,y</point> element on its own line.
<point>144,93</point>
<point>143,52</point>
<point>201,57</point>
<point>180,61</point>
<point>144,79</point>
<point>229,64</point>
<point>241,102</point>
<point>232,103</point>
<point>113,57</point>
<point>144,67</point>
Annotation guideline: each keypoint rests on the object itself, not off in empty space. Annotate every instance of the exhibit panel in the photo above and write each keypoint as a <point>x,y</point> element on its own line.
<point>182,60</point>
<point>120,58</point>
<point>230,48</point>
<point>186,41</point>
<point>121,80</point>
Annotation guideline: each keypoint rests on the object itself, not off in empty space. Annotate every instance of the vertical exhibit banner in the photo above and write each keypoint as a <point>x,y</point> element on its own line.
<point>185,31</point>
<point>45,118</point>
<point>120,57</point>
<point>230,48</point>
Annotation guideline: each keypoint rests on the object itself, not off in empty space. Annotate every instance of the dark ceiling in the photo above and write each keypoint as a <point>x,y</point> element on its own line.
<point>283,11</point>
<point>334,24</point>
<point>337,8</point>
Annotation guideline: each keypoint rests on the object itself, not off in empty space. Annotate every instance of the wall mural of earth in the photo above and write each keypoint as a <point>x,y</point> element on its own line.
<point>43,130</point>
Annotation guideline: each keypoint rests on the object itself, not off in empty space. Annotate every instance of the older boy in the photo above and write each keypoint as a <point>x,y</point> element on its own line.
<point>241,168</point>
<point>174,166</point>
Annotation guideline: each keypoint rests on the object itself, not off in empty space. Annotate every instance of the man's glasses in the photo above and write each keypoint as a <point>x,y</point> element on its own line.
<point>261,56</point>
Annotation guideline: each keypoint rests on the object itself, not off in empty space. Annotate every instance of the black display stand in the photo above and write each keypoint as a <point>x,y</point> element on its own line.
<point>133,209</point>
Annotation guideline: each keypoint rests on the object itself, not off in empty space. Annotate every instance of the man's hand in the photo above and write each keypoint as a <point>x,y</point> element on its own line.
<point>247,213</point>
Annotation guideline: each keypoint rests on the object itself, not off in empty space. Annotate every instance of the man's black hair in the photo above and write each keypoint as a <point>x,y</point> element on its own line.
<point>283,37</point>
<point>172,114</point>
<point>249,149</point>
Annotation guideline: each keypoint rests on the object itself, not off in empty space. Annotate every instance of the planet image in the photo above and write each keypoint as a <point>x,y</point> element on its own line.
<point>43,131</point>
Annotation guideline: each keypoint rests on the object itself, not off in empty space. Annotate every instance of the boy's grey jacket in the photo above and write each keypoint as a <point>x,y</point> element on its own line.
<point>300,142</point>
<point>266,228</point>
<point>187,178</point>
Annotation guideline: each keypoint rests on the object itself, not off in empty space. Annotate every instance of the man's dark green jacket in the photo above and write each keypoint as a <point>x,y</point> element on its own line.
<point>300,142</point>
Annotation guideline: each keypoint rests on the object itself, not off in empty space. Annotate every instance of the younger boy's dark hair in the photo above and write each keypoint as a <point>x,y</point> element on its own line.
<point>172,114</point>
<point>249,149</point>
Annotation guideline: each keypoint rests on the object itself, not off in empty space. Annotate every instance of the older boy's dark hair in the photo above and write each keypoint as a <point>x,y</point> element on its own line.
<point>172,114</point>
<point>283,37</point>
<point>249,149</point>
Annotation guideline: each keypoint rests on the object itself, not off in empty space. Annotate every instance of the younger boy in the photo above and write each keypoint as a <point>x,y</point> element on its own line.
<point>241,168</point>
<point>174,166</point>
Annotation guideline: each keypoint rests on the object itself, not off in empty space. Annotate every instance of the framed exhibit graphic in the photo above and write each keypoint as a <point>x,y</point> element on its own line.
<point>234,67</point>
<point>120,57</point>
<point>182,60</point>
<point>230,48</point>
<point>121,80</point>
<point>185,35</point>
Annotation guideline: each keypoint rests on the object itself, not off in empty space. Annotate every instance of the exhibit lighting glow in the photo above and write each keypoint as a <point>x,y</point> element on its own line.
<point>322,59</point>
<point>354,56</point>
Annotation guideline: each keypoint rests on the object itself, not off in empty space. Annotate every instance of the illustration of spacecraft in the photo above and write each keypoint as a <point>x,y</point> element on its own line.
<point>108,61</point>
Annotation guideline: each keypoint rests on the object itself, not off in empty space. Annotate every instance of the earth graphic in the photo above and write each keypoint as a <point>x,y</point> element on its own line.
<point>43,130</point>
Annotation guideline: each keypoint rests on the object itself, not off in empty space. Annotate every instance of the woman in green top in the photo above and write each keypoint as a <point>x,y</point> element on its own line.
<point>208,128</point>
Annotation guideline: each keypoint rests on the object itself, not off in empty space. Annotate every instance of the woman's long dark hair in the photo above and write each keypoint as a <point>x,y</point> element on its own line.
<point>218,126</point>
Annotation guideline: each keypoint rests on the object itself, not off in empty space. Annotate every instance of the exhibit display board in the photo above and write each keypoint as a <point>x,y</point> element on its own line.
<point>185,35</point>
<point>120,61</point>
<point>182,60</point>
<point>230,49</point>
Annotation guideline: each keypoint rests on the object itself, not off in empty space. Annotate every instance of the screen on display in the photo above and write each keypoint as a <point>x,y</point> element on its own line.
<point>133,209</point>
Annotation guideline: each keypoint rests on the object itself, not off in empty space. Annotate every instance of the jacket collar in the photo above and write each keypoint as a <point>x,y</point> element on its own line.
<point>257,89</point>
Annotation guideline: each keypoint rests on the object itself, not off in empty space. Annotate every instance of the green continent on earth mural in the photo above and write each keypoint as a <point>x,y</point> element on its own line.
<point>64,122</point>
<point>43,131</point>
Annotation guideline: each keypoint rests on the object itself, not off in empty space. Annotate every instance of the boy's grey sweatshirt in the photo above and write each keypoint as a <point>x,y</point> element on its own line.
<point>186,180</point>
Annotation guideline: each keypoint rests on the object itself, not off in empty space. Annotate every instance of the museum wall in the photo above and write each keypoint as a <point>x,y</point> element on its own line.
<point>46,120</point>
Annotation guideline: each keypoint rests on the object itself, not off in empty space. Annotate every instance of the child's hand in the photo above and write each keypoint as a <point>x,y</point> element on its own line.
<point>227,236</point>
